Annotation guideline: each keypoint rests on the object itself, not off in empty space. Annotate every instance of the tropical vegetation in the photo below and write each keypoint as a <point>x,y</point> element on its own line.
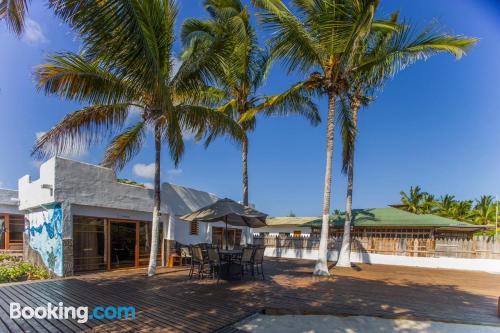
<point>13,12</point>
<point>126,75</point>
<point>248,65</point>
<point>126,66</point>
<point>13,269</point>
<point>482,210</point>
<point>348,53</point>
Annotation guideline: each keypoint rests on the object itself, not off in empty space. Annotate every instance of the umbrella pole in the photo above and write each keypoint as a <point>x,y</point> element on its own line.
<point>227,238</point>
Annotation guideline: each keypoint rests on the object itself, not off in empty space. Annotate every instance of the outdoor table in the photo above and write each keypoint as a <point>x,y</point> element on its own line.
<point>231,269</point>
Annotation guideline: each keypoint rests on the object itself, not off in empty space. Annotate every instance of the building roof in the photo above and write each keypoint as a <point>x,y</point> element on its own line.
<point>8,197</point>
<point>290,221</point>
<point>393,217</point>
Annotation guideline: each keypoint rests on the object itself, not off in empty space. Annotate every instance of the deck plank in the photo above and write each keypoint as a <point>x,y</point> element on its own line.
<point>170,302</point>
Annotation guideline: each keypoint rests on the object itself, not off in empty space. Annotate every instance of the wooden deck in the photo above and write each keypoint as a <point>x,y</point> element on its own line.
<point>169,302</point>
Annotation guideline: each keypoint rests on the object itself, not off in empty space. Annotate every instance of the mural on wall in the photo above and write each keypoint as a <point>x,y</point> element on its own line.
<point>45,237</point>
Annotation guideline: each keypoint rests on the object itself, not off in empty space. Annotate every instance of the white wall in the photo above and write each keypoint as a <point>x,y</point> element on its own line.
<point>485,265</point>
<point>275,230</point>
<point>91,190</point>
<point>31,193</point>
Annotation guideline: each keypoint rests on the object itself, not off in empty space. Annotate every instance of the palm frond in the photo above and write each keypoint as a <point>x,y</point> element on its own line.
<point>291,40</point>
<point>124,146</point>
<point>74,77</point>
<point>209,123</point>
<point>81,129</point>
<point>14,14</point>
<point>296,100</point>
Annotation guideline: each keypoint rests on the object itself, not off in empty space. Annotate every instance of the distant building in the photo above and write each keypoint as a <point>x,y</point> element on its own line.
<point>286,226</point>
<point>397,223</point>
<point>11,222</point>
<point>79,217</point>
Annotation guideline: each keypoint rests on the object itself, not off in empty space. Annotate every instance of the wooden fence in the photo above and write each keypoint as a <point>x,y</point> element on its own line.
<point>483,247</point>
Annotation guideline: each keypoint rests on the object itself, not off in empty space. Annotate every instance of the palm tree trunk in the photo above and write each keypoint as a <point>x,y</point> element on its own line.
<point>156,205</point>
<point>244,160</point>
<point>345,250</point>
<point>321,267</point>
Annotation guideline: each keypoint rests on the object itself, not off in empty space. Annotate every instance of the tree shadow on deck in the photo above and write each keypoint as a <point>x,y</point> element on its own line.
<point>289,288</point>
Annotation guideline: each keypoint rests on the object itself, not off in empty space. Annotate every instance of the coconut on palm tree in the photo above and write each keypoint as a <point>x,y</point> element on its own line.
<point>127,65</point>
<point>241,80</point>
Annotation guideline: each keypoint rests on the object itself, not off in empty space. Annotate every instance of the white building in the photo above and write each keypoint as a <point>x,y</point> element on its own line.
<point>11,222</point>
<point>79,217</point>
<point>286,226</point>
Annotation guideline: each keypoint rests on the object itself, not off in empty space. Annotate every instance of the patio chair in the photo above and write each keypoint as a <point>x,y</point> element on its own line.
<point>246,261</point>
<point>215,263</point>
<point>199,261</point>
<point>259,260</point>
<point>185,255</point>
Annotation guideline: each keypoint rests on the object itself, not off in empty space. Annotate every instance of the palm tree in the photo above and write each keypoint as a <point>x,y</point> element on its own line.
<point>320,38</point>
<point>445,205</point>
<point>14,14</point>
<point>413,200</point>
<point>484,210</point>
<point>383,54</point>
<point>127,64</point>
<point>230,22</point>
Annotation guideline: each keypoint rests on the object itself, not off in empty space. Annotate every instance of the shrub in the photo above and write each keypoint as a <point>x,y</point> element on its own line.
<point>22,271</point>
<point>5,256</point>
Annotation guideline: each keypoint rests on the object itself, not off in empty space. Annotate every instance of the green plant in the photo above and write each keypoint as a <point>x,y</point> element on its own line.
<point>5,256</point>
<point>22,271</point>
<point>130,182</point>
<point>244,71</point>
<point>126,66</point>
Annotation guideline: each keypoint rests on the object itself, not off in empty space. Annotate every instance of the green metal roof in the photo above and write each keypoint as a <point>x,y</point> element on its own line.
<point>393,217</point>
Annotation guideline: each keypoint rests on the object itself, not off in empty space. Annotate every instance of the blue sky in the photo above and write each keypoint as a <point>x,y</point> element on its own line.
<point>435,124</point>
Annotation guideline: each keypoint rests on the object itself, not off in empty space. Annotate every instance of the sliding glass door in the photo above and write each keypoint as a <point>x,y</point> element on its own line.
<point>123,244</point>
<point>89,246</point>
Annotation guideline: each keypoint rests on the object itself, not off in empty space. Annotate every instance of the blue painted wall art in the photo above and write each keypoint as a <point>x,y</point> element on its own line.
<point>45,237</point>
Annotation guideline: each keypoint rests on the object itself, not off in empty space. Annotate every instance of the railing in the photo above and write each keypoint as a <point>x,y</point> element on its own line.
<point>483,247</point>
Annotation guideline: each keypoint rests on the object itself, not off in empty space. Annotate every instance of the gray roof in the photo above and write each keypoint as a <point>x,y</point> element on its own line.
<point>7,197</point>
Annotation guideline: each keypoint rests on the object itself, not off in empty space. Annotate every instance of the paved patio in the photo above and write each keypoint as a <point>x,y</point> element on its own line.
<point>169,302</point>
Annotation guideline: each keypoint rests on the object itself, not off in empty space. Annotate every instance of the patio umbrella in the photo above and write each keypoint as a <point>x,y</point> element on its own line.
<point>230,212</point>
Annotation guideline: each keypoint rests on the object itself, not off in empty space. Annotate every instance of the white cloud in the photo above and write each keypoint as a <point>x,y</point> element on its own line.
<point>144,170</point>
<point>33,33</point>
<point>149,185</point>
<point>174,172</point>
<point>39,135</point>
<point>37,163</point>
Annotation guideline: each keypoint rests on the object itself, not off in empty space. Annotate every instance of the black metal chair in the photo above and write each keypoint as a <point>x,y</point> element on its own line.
<point>258,260</point>
<point>215,262</point>
<point>246,261</point>
<point>199,261</point>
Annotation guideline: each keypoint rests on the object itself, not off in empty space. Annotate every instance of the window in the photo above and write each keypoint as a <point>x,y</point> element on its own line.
<point>193,228</point>
<point>219,237</point>
<point>297,233</point>
<point>16,228</point>
<point>145,231</point>
<point>88,244</point>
